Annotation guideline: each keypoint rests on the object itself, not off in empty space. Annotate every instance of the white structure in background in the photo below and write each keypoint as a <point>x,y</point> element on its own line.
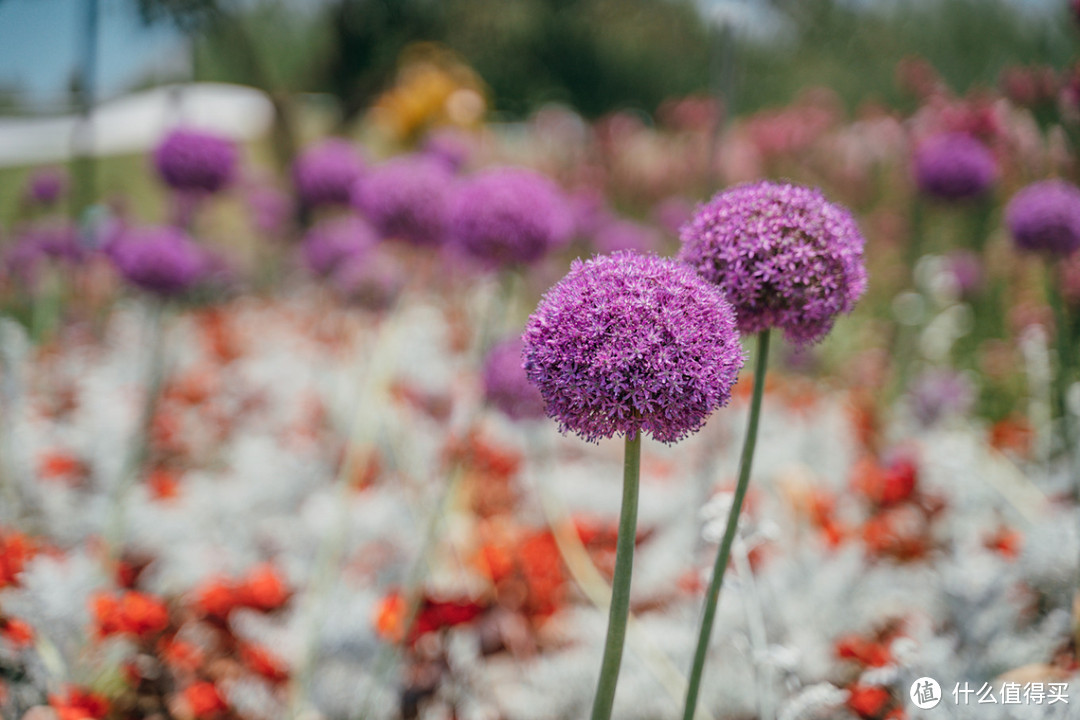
<point>134,123</point>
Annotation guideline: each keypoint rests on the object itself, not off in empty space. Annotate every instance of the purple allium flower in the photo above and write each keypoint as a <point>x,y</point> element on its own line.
<point>965,269</point>
<point>628,343</point>
<point>195,161</point>
<point>954,166</point>
<point>505,384</point>
<point>449,148</point>
<point>406,198</point>
<point>372,279</point>
<point>939,393</point>
<point>506,216</point>
<point>325,173</point>
<point>625,235</point>
<point>783,255</point>
<point>59,243</point>
<point>1045,217</point>
<point>46,185</point>
<point>160,260</point>
<point>331,242</point>
<point>270,209</point>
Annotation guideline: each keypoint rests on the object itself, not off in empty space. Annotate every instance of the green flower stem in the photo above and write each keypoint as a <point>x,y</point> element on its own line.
<point>724,554</point>
<point>619,611</point>
<point>1063,372</point>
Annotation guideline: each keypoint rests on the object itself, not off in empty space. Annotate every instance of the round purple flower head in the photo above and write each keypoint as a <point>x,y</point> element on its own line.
<point>954,166</point>
<point>783,255</point>
<point>627,343</point>
<point>406,198</point>
<point>331,242</point>
<point>46,185</point>
<point>325,173</point>
<point>505,384</point>
<point>195,160</point>
<point>372,279</point>
<point>160,260</point>
<point>507,216</point>
<point>59,243</point>
<point>448,147</point>
<point>1045,217</point>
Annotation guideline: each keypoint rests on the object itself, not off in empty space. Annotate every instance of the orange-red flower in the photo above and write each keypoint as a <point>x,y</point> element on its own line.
<point>263,662</point>
<point>263,589</point>
<point>130,613</point>
<point>79,704</point>
<point>16,632</point>
<point>868,701</point>
<point>204,700</point>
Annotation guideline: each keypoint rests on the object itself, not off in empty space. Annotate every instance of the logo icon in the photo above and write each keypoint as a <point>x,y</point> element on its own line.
<point>925,693</point>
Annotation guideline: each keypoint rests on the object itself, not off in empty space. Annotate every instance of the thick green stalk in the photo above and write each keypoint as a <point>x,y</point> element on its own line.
<point>619,611</point>
<point>712,597</point>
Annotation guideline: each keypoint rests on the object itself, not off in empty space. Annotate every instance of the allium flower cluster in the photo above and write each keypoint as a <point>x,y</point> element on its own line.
<point>1045,217</point>
<point>325,173</point>
<point>332,242</point>
<point>59,243</point>
<point>784,257</point>
<point>160,260</point>
<point>505,385</point>
<point>954,166</point>
<point>195,161</point>
<point>629,343</point>
<point>406,198</point>
<point>46,186</point>
<point>508,216</point>
<point>372,280</point>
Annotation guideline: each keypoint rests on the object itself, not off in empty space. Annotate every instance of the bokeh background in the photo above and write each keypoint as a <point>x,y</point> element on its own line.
<point>266,450</point>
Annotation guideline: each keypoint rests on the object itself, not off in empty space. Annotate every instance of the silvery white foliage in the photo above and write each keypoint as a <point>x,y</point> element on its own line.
<point>1050,553</point>
<point>823,701</point>
<point>54,597</point>
<point>254,698</point>
<point>341,688</point>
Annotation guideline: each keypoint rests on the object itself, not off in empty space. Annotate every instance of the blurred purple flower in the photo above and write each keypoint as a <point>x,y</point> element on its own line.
<point>160,260</point>
<point>1045,217</point>
<point>271,209</point>
<point>965,268</point>
<point>589,210</point>
<point>784,256</point>
<point>625,235</point>
<point>627,343</point>
<point>954,166</point>
<point>195,161</point>
<point>936,394</point>
<point>505,384</point>
<point>38,244</point>
<point>450,148</point>
<point>406,198</point>
<point>332,242</point>
<point>372,279</point>
<point>325,173</point>
<point>506,216</point>
<point>672,213</point>
<point>46,185</point>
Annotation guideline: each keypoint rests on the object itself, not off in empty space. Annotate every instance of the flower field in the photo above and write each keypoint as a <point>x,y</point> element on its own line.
<point>343,437</point>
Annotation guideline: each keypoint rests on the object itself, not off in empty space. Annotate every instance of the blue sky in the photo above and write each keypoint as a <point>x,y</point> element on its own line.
<point>40,42</point>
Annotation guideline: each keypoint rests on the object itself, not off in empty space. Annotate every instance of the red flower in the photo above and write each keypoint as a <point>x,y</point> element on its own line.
<point>204,700</point>
<point>262,662</point>
<point>180,655</point>
<point>79,704</point>
<point>868,702</point>
<point>862,651</point>
<point>16,632</point>
<point>216,599</point>
<point>263,589</point>
<point>389,618</point>
<point>62,466</point>
<point>15,551</point>
<point>132,613</point>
